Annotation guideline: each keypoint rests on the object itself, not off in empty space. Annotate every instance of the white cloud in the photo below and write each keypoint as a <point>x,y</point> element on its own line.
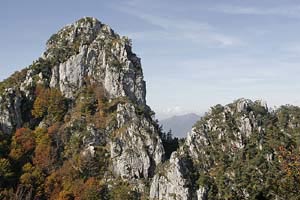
<point>225,40</point>
<point>293,49</point>
<point>163,113</point>
<point>173,28</point>
<point>287,11</point>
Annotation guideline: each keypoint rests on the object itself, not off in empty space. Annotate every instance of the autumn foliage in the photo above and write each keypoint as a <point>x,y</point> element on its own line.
<point>50,103</point>
<point>23,143</point>
<point>290,170</point>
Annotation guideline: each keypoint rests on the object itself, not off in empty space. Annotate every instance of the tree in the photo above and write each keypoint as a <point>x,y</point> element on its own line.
<point>170,143</point>
<point>40,104</point>
<point>33,178</point>
<point>23,144</point>
<point>50,103</point>
<point>57,105</point>
<point>4,145</point>
<point>122,190</point>
<point>6,172</point>
<point>289,182</point>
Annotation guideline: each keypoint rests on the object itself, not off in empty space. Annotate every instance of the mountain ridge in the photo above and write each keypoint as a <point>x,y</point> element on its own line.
<point>179,125</point>
<point>83,103</point>
<point>75,125</point>
<point>237,151</point>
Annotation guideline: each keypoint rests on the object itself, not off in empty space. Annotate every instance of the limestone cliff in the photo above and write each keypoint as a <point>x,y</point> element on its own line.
<point>81,55</point>
<point>75,125</point>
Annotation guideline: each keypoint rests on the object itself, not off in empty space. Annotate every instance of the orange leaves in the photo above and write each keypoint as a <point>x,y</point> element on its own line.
<point>57,105</point>
<point>43,157</point>
<point>49,102</point>
<point>52,130</point>
<point>290,171</point>
<point>290,161</point>
<point>23,143</point>
<point>46,146</point>
<point>53,185</point>
<point>40,105</point>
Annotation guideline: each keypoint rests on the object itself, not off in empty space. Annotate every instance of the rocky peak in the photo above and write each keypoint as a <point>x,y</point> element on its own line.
<point>85,51</point>
<point>224,129</point>
<point>82,31</point>
<point>231,147</point>
<point>245,105</point>
<point>91,49</point>
<point>242,105</point>
<point>82,55</point>
<point>82,104</point>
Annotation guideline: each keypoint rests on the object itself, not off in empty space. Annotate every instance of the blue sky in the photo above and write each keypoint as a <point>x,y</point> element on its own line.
<point>195,54</point>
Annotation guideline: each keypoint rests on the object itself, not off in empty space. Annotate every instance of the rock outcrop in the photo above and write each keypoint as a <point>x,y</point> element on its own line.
<point>10,111</point>
<point>89,52</point>
<point>136,153</point>
<point>75,125</point>
<point>101,55</point>
<point>174,181</point>
<point>234,123</point>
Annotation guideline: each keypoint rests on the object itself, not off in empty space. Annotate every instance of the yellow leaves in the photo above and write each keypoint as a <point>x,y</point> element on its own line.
<point>5,169</point>
<point>41,101</point>
<point>43,157</point>
<point>121,190</point>
<point>49,102</point>
<point>290,162</point>
<point>290,168</point>
<point>23,142</point>
<point>40,134</point>
<point>53,185</point>
<point>65,195</point>
<point>28,167</point>
<point>32,176</point>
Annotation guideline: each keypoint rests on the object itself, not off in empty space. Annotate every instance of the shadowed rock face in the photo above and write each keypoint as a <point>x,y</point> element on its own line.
<point>89,52</point>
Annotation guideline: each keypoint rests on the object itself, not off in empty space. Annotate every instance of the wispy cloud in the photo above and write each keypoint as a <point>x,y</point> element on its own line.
<point>287,11</point>
<point>163,113</point>
<point>292,49</point>
<point>174,28</point>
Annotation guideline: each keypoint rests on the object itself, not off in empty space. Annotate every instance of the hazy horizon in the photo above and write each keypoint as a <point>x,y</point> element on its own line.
<point>194,55</point>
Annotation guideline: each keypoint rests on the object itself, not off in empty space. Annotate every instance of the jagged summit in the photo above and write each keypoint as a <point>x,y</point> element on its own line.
<point>84,27</point>
<point>82,32</point>
<point>88,48</point>
<point>75,125</point>
<point>90,84</point>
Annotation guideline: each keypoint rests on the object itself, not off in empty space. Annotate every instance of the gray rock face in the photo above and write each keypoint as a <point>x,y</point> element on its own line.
<point>88,52</point>
<point>176,182</point>
<point>69,76</point>
<point>16,99</point>
<point>202,193</point>
<point>10,111</point>
<point>246,123</point>
<point>137,149</point>
<point>107,59</point>
<point>173,182</point>
<point>104,57</point>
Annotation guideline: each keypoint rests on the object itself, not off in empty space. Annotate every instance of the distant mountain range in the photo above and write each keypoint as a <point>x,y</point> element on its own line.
<point>180,125</point>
